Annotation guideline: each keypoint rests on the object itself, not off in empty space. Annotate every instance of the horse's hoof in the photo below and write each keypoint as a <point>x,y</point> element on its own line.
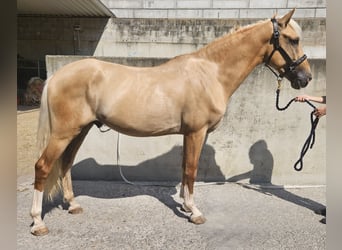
<point>43,230</point>
<point>198,219</point>
<point>76,210</point>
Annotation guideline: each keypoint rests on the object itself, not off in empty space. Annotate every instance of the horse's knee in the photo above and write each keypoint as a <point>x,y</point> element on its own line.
<point>41,174</point>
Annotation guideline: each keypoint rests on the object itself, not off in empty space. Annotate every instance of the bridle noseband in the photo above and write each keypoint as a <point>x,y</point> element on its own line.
<point>290,64</point>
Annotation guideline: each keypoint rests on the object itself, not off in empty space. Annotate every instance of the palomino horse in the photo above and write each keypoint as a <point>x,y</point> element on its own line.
<point>187,95</point>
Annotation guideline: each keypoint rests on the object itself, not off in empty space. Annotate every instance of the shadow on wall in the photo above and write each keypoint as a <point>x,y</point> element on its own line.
<point>261,174</point>
<point>166,167</point>
<point>262,161</point>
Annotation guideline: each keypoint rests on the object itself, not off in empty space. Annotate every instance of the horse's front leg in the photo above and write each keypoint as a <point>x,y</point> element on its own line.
<point>192,147</point>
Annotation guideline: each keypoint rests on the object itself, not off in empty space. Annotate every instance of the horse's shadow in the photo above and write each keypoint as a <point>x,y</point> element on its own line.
<point>261,174</point>
<point>167,168</point>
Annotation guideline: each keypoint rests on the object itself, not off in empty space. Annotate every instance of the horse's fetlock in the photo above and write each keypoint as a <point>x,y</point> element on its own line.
<point>35,213</point>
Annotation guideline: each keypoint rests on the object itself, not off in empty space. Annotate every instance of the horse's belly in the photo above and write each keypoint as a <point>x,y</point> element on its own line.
<point>143,124</point>
<point>144,131</point>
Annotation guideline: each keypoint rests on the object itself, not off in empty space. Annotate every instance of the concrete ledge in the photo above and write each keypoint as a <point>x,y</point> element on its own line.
<point>221,13</point>
<point>225,9</point>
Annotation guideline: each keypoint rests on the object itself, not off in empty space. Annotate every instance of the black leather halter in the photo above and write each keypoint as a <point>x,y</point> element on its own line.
<point>290,64</point>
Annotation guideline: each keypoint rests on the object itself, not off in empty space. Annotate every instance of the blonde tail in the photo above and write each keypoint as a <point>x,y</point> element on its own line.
<point>53,183</point>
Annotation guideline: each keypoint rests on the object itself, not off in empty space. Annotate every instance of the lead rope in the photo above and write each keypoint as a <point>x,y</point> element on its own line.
<point>311,138</point>
<point>119,165</point>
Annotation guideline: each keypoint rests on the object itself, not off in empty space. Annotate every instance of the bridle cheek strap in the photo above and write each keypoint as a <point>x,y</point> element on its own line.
<point>290,64</point>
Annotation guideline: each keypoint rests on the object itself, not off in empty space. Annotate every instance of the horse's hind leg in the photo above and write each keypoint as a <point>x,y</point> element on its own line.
<point>68,195</point>
<point>68,159</point>
<point>192,147</point>
<point>43,167</point>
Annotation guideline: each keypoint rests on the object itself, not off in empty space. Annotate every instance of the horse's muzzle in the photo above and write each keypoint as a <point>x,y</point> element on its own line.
<point>299,79</point>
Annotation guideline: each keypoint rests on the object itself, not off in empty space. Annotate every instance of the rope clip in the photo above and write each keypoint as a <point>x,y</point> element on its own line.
<point>279,79</point>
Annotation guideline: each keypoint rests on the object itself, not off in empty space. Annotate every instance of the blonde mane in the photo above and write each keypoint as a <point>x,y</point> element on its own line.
<point>236,29</point>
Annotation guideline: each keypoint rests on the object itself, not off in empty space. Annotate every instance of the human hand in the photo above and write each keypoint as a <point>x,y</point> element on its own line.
<point>302,98</point>
<point>320,111</point>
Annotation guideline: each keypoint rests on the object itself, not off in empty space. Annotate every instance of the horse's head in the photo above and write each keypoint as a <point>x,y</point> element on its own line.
<point>285,53</point>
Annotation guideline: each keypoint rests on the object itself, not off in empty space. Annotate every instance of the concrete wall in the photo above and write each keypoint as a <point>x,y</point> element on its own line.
<point>214,8</point>
<point>40,36</point>
<point>254,140</point>
<point>171,37</point>
<point>164,38</point>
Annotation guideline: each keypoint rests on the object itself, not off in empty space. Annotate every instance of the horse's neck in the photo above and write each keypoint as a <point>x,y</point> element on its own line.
<point>238,54</point>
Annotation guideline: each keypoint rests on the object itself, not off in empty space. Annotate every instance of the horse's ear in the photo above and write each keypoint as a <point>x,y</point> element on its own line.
<point>283,21</point>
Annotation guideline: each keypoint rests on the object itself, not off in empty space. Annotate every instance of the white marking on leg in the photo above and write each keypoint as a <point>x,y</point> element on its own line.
<point>189,203</point>
<point>36,210</point>
<point>74,204</point>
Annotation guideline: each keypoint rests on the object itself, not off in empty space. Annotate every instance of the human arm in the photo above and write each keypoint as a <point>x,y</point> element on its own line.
<point>319,99</point>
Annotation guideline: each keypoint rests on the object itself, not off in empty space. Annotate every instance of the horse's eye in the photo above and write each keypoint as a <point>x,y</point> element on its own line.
<point>294,41</point>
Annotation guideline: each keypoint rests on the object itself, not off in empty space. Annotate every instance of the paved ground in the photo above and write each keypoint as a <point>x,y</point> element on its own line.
<point>122,216</point>
<point>27,122</point>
